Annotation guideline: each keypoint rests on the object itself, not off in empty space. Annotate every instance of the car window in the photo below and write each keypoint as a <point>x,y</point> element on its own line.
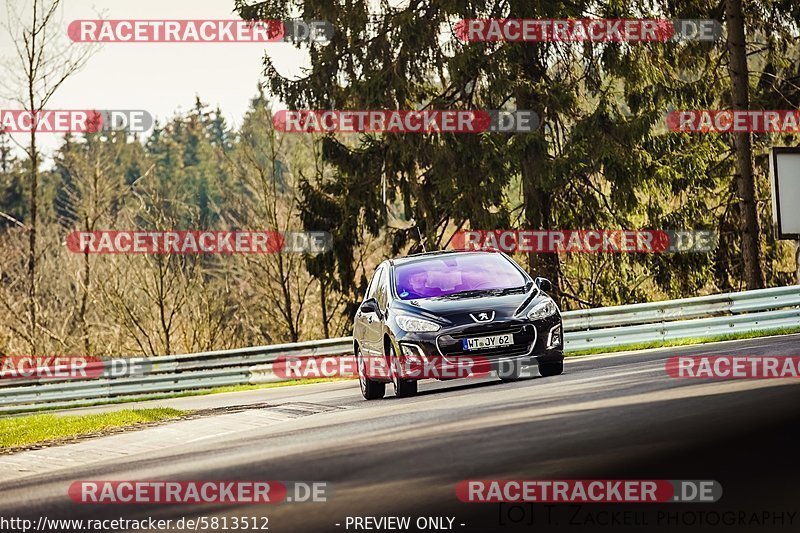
<point>446,275</point>
<point>382,294</point>
<point>377,278</point>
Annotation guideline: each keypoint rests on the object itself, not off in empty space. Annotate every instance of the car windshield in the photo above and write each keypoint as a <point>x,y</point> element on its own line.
<point>450,275</point>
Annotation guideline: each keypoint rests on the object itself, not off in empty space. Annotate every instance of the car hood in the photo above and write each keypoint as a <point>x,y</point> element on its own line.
<point>459,310</point>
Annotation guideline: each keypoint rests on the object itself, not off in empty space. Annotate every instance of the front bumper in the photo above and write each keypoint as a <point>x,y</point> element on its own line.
<point>539,341</point>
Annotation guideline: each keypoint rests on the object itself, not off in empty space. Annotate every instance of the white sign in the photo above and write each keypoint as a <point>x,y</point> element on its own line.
<point>784,170</point>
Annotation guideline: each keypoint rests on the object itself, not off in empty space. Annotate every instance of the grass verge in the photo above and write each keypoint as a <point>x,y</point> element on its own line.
<point>686,342</point>
<point>22,431</point>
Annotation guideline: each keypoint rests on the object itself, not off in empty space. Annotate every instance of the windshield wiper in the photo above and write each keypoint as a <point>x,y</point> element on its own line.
<point>512,290</point>
<point>468,294</point>
<point>480,292</point>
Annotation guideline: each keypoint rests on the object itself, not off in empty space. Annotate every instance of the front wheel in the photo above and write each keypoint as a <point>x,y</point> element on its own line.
<point>370,389</point>
<point>403,388</point>
<point>551,369</point>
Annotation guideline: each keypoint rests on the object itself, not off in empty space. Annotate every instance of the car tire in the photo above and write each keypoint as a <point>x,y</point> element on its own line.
<point>370,389</point>
<point>403,388</point>
<point>551,369</point>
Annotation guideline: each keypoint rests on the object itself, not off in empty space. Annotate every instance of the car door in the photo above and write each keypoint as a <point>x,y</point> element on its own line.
<point>370,324</point>
<point>382,296</point>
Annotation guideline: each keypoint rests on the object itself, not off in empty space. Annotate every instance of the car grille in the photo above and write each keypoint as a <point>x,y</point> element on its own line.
<point>524,339</point>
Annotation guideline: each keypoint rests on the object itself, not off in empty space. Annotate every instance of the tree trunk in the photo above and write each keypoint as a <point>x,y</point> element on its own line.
<point>536,198</point>
<point>324,306</point>
<point>34,204</point>
<point>745,182</point>
<point>87,278</point>
<point>797,261</point>
<point>538,216</point>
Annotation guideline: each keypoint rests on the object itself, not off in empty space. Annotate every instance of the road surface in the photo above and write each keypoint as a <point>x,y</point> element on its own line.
<point>615,416</point>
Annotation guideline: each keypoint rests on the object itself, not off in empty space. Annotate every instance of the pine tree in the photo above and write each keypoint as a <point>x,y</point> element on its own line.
<point>602,158</point>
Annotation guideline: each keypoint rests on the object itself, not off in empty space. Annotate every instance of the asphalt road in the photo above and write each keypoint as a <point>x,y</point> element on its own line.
<point>606,417</point>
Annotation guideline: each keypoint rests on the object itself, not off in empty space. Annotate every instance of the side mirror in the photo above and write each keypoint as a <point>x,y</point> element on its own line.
<point>544,284</point>
<point>369,306</point>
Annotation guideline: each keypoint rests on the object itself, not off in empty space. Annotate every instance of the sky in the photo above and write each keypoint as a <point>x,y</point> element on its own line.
<point>161,78</point>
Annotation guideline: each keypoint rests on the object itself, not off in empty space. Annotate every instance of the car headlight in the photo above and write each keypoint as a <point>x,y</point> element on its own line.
<point>412,324</point>
<point>543,309</point>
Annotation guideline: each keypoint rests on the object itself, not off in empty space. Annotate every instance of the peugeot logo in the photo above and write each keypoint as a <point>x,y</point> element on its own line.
<point>485,316</point>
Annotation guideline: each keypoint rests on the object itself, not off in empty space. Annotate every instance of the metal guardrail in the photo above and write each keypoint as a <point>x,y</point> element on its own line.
<point>720,314</point>
<point>167,374</point>
<point>606,327</point>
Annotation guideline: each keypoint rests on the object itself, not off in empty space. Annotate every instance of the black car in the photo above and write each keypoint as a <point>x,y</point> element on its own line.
<point>453,314</point>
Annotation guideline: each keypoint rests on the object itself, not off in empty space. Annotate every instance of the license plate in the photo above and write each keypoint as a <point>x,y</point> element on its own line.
<point>481,343</point>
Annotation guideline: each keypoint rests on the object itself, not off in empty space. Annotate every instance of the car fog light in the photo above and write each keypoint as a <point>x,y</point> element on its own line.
<point>411,354</point>
<point>554,339</point>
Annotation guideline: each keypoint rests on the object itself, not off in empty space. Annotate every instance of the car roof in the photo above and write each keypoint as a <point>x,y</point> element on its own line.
<point>415,257</point>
